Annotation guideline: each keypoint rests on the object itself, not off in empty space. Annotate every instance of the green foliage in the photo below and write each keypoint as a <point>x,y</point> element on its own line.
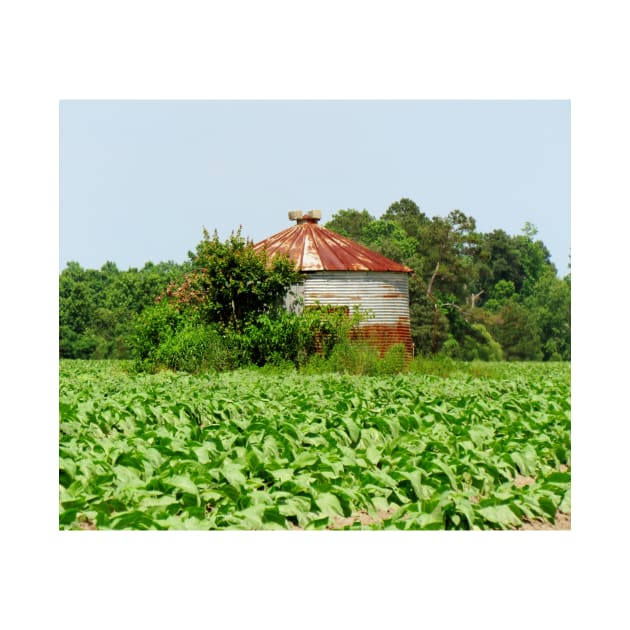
<point>408,215</point>
<point>502,292</point>
<point>504,283</point>
<point>550,303</point>
<point>516,329</point>
<point>350,223</point>
<point>388,238</point>
<point>331,326</point>
<point>476,344</point>
<point>294,338</point>
<point>468,292</point>
<point>253,450</point>
<point>441,364</point>
<point>430,326</point>
<point>394,359</point>
<point>97,307</point>
<point>230,282</point>
<point>286,337</point>
<point>359,358</point>
<point>154,327</point>
<point>355,357</point>
<point>224,313</point>
<point>499,259</point>
<point>195,348</point>
<point>534,257</point>
<point>169,336</point>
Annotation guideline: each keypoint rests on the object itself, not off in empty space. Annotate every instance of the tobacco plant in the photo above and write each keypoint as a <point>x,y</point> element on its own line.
<point>253,450</point>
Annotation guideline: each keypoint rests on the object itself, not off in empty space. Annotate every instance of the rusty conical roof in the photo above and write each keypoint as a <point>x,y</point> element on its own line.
<point>315,248</point>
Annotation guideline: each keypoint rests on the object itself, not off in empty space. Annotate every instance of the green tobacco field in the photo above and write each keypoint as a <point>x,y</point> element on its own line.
<point>254,449</point>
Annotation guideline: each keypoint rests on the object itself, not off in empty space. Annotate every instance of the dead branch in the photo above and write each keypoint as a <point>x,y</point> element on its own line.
<point>474,297</point>
<point>430,287</point>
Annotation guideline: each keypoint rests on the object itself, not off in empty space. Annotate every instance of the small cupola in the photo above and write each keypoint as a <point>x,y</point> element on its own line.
<point>312,216</point>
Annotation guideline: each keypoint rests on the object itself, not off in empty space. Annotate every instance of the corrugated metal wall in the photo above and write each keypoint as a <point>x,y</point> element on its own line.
<point>382,294</point>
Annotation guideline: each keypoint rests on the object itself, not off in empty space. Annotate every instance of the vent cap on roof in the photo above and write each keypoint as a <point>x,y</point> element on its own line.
<point>312,216</point>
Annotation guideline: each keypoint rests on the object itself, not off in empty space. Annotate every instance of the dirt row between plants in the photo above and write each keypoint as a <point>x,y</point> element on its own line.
<point>562,521</point>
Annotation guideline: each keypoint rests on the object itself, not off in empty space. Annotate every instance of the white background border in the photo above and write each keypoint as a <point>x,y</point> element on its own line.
<point>179,50</point>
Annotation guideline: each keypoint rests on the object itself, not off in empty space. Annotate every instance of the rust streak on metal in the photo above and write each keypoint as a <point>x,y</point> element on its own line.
<point>385,335</point>
<point>315,248</point>
<point>339,271</point>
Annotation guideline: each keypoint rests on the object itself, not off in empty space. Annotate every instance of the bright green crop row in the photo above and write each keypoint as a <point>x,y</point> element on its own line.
<point>249,450</point>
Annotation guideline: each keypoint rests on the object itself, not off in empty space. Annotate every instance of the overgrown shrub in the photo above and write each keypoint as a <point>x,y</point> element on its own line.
<point>268,339</point>
<point>195,348</point>
<point>152,328</point>
<point>168,336</point>
<point>476,344</point>
<point>394,360</point>
<point>73,345</point>
<point>279,337</point>
<point>359,357</point>
<point>518,333</point>
<point>354,357</point>
<point>434,365</point>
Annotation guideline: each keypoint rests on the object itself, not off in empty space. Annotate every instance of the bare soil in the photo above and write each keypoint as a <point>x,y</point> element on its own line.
<point>562,521</point>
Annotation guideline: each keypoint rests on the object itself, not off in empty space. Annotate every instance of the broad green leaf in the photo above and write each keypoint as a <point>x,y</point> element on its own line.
<point>294,506</point>
<point>134,519</point>
<point>251,517</point>
<point>273,519</point>
<point>282,474</point>
<point>381,477</point>
<point>432,521</point>
<point>524,465</point>
<point>415,478</point>
<point>549,506</point>
<point>174,425</point>
<point>161,501</point>
<point>233,474</point>
<point>210,496</point>
<point>67,517</point>
<point>380,503</point>
<point>565,504</point>
<point>203,453</point>
<point>464,507</point>
<point>560,479</point>
<point>261,497</point>
<point>329,504</point>
<point>318,523</point>
<point>373,454</point>
<point>305,459</point>
<point>184,522</point>
<point>182,482</point>
<point>126,476</point>
<point>448,471</point>
<point>299,483</point>
<point>353,429</point>
<point>500,514</point>
<point>68,466</point>
<point>481,434</point>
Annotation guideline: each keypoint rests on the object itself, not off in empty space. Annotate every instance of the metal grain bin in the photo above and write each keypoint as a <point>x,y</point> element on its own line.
<point>341,272</point>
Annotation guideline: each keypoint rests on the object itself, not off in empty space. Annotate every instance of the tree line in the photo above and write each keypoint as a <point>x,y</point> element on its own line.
<point>98,307</point>
<point>472,295</point>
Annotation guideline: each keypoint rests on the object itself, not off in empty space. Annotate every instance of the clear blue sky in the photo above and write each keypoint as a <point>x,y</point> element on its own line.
<point>139,179</point>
